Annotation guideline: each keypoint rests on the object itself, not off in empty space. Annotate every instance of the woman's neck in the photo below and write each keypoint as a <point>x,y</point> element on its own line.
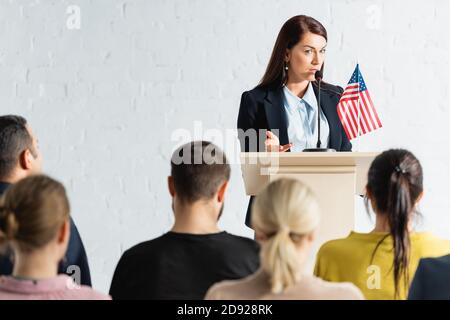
<point>382,224</point>
<point>298,88</point>
<point>34,265</point>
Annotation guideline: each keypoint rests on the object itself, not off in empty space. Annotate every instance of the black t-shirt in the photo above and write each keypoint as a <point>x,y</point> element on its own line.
<point>182,266</point>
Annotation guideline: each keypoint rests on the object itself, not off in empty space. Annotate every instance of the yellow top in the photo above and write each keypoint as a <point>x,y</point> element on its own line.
<point>349,260</point>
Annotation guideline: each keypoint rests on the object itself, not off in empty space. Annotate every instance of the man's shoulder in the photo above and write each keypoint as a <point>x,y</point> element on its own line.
<point>435,266</point>
<point>431,279</point>
<point>145,248</point>
<point>243,242</point>
<point>222,242</point>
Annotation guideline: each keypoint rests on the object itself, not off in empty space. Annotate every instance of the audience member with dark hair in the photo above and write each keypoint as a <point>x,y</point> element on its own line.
<point>34,222</point>
<point>19,158</point>
<point>381,263</point>
<point>184,262</point>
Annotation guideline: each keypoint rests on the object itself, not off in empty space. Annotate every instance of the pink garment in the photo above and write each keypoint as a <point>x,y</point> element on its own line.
<point>61,287</point>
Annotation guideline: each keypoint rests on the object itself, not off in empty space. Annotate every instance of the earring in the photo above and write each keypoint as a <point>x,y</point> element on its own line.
<point>285,73</point>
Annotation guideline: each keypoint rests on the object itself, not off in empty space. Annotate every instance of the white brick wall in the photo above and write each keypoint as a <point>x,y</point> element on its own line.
<point>106,98</point>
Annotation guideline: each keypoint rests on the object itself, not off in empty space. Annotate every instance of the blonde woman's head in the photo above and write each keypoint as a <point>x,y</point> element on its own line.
<point>284,216</point>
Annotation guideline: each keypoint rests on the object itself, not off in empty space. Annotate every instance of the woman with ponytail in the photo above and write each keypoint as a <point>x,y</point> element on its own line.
<point>286,215</point>
<point>34,223</point>
<point>382,263</point>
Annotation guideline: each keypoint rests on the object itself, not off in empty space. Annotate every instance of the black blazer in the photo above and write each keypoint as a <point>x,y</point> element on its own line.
<point>75,254</point>
<point>432,280</point>
<point>262,108</point>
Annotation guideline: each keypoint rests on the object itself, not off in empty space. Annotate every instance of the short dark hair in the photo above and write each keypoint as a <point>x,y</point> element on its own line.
<point>14,139</point>
<point>198,168</point>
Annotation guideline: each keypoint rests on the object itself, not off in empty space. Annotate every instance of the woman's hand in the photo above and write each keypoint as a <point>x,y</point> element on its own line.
<point>273,144</point>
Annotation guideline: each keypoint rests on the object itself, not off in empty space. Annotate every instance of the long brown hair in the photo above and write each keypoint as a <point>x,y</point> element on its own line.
<point>395,182</point>
<point>290,34</point>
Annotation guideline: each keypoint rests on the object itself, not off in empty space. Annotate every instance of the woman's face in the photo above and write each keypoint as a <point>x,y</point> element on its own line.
<point>305,58</point>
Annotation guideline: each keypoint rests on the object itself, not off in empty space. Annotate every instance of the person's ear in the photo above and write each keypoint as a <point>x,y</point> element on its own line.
<point>419,198</point>
<point>221,192</point>
<point>369,197</point>
<point>311,237</point>
<point>26,160</point>
<point>171,186</point>
<point>260,237</point>
<point>368,193</point>
<point>287,55</point>
<point>64,232</point>
<point>372,201</point>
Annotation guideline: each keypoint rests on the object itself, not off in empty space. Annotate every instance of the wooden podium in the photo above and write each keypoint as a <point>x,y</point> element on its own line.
<point>334,177</point>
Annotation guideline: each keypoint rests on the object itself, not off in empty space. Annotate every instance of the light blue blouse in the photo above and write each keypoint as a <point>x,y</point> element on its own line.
<point>302,120</point>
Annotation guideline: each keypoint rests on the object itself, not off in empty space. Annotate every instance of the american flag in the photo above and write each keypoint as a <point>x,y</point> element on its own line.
<point>355,103</point>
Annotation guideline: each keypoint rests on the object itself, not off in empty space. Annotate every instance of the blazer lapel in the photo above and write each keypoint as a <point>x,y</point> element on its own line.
<point>276,115</point>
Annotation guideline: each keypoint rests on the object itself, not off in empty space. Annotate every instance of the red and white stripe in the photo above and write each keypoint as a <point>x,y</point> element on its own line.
<point>351,101</point>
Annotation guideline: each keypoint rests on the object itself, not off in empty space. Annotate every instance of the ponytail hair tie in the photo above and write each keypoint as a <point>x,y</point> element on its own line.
<point>399,170</point>
<point>285,230</point>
